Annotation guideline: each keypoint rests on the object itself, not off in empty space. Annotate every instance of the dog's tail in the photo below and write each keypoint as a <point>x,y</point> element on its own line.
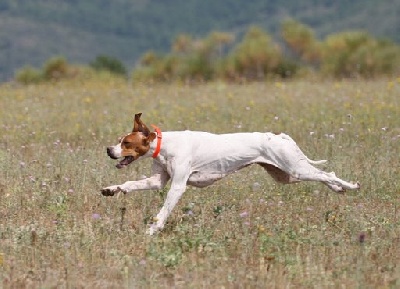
<point>319,162</point>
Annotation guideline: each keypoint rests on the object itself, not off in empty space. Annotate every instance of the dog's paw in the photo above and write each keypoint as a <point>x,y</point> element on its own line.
<point>338,189</point>
<point>111,191</point>
<point>152,230</point>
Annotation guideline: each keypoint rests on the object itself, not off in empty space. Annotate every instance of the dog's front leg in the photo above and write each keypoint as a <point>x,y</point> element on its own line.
<point>155,182</point>
<point>178,187</point>
<point>173,196</point>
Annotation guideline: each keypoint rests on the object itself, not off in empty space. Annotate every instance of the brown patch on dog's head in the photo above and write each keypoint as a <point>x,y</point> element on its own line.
<point>137,143</point>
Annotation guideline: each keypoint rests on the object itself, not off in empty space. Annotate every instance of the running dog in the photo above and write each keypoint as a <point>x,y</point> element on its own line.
<point>200,158</point>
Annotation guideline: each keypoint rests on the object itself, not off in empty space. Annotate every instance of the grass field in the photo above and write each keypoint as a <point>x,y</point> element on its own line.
<point>58,231</point>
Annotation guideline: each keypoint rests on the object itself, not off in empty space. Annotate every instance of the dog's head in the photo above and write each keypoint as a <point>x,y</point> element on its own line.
<point>134,145</point>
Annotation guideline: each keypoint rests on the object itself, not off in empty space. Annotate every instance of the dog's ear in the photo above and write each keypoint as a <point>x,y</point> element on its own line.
<point>136,122</point>
<point>152,136</point>
<point>139,126</point>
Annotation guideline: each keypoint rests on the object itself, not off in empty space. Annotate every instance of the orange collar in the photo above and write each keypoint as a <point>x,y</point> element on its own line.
<point>159,138</point>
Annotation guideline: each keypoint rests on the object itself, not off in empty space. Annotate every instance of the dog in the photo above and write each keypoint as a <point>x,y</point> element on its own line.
<point>200,158</point>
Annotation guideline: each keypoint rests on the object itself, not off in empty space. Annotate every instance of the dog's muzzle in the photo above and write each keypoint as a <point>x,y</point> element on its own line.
<point>124,162</point>
<point>110,153</point>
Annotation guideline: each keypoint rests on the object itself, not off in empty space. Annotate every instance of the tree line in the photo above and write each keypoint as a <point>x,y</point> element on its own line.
<point>255,56</point>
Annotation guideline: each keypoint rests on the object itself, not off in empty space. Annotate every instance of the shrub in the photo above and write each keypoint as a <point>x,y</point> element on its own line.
<point>189,60</point>
<point>195,67</point>
<point>256,55</point>
<point>28,75</point>
<point>55,68</point>
<point>301,40</point>
<point>286,68</point>
<point>156,68</point>
<point>110,64</point>
<point>353,54</point>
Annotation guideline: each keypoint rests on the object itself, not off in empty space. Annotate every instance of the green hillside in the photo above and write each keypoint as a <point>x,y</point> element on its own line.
<point>33,31</point>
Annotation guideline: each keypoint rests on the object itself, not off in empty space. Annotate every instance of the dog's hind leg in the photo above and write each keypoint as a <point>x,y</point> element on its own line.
<point>310,173</point>
<point>333,182</point>
<point>279,175</point>
<point>287,164</point>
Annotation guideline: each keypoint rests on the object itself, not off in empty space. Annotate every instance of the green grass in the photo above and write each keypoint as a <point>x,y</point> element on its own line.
<point>57,231</point>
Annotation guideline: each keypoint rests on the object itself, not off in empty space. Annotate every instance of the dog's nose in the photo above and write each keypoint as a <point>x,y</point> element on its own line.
<point>109,151</point>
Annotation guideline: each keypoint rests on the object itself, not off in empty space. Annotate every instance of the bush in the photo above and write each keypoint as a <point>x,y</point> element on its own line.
<point>354,54</point>
<point>28,75</point>
<point>155,68</point>
<point>256,56</point>
<point>110,64</point>
<point>286,68</point>
<point>301,41</point>
<point>55,68</point>
<point>189,60</point>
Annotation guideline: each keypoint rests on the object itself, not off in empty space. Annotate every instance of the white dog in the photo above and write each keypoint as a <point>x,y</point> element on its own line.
<point>201,158</point>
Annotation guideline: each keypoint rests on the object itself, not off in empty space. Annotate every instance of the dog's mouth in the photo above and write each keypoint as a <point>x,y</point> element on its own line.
<point>125,161</point>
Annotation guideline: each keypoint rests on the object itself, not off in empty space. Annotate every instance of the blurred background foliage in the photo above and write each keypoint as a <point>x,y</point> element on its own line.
<point>32,32</point>
<point>254,57</point>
